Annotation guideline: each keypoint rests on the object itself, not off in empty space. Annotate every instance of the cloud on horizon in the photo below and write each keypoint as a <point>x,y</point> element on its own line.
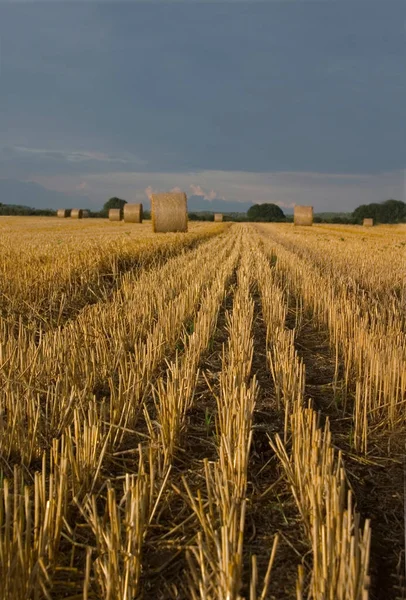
<point>324,191</point>
<point>210,196</point>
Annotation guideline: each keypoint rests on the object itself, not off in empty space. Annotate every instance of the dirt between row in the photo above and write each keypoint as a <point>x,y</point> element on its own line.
<point>271,508</point>
<point>377,479</point>
<point>164,556</point>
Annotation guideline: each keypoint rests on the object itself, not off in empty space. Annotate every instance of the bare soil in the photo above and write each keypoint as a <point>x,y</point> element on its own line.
<point>377,479</point>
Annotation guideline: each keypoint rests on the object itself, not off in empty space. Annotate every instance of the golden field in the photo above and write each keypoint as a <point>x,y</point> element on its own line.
<point>216,415</point>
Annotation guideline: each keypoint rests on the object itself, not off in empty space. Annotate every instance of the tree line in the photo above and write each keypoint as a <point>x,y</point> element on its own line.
<point>389,211</point>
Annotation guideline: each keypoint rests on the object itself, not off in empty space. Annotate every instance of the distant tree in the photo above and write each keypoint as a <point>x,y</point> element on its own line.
<point>18,210</point>
<point>393,211</point>
<point>114,203</point>
<point>390,211</point>
<point>201,216</point>
<point>367,211</point>
<point>238,217</point>
<point>265,213</point>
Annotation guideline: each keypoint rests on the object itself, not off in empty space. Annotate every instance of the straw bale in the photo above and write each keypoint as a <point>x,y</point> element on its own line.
<point>133,213</point>
<point>62,213</point>
<point>169,212</point>
<point>76,213</point>
<point>218,217</point>
<point>303,215</point>
<point>368,222</point>
<point>115,214</point>
<point>85,214</point>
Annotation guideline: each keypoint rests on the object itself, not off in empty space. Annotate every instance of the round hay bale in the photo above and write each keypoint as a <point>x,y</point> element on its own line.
<point>76,213</point>
<point>62,213</point>
<point>218,217</point>
<point>85,214</point>
<point>133,213</point>
<point>115,214</point>
<point>368,222</point>
<point>169,212</point>
<point>303,215</point>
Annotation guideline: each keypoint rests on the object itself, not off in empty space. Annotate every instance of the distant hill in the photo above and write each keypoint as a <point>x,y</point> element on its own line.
<point>34,195</point>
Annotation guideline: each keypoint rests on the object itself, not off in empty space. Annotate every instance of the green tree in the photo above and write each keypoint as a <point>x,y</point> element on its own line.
<point>390,211</point>
<point>265,213</point>
<point>393,211</point>
<point>114,203</point>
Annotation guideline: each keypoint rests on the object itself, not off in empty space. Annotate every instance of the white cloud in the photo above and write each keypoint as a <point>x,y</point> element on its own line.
<point>197,190</point>
<point>82,186</point>
<point>76,155</point>
<point>148,192</point>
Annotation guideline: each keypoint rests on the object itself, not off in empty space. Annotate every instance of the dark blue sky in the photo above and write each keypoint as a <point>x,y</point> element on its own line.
<point>284,101</point>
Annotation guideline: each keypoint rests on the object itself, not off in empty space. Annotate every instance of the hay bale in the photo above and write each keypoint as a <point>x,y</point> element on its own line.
<point>303,215</point>
<point>133,213</point>
<point>368,223</point>
<point>85,214</point>
<point>76,213</point>
<point>115,214</point>
<point>62,213</point>
<point>218,217</point>
<point>169,212</point>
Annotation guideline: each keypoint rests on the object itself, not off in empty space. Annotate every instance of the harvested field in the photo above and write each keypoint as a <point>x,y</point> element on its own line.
<point>204,415</point>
